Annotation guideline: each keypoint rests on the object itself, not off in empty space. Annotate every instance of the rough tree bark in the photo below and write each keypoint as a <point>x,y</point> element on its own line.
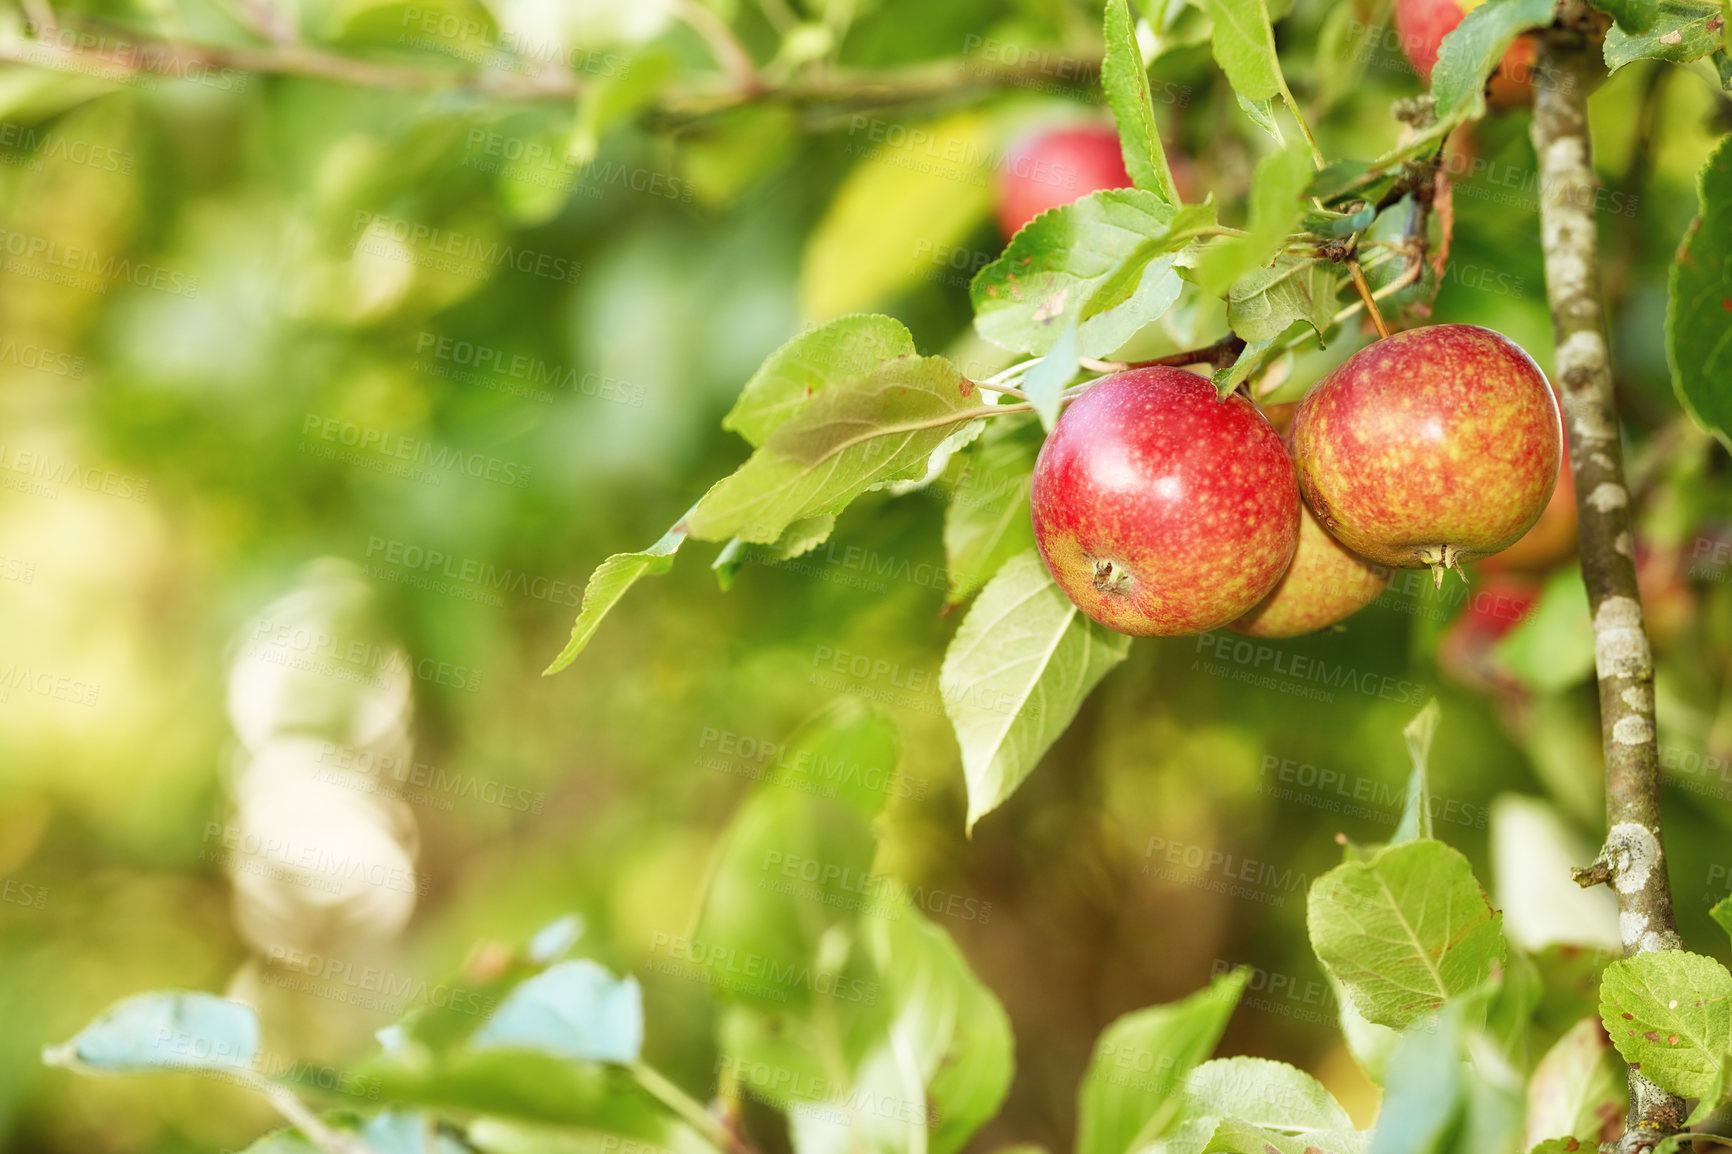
<point>1633,860</point>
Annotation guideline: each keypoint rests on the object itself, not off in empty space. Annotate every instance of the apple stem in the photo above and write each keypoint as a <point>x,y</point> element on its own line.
<point>1366,295</point>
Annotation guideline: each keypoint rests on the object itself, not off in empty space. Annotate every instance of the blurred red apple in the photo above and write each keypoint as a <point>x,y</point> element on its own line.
<point>1056,167</point>
<point>1161,508</point>
<point>1325,583</point>
<point>1431,447</point>
<point>1422,25</point>
<point>1494,607</point>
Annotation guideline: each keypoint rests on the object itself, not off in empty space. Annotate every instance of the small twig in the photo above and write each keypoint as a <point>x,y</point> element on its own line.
<point>714,1130</point>
<point>724,44</point>
<point>1366,296</point>
<point>1003,390</point>
<point>1223,352</point>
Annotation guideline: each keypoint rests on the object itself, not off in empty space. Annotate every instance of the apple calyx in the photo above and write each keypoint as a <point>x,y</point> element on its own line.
<point>1442,558</point>
<point>1111,577</point>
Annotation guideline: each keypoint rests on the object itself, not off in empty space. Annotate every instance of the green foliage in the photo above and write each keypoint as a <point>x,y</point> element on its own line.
<point>865,431</point>
<point>1553,647</point>
<point>1244,47</point>
<point>1415,823</point>
<point>1671,1013</point>
<point>1104,264</point>
<point>574,1009</point>
<point>986,521</point>
<point>1680,31</point>
<point>1132,1092</point>
<point>1126,84</point>
<point>165,1031</point>
<point>610,581</point>
<point>836,351</point>
<point>1633,16</point>
<point>1404,931</point>
<point>1472,51</point>
<point>1277,189</point>
<point>1577,1087</point>
<point>1698,323</point>
<point>1435,1101</point>
<point>1015,675</point>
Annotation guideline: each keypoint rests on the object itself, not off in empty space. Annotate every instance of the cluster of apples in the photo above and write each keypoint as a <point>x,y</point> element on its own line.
<point>1162,509</point>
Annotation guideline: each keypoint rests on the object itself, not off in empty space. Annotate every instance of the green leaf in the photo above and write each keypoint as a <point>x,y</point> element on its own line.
<point>1103,263</point>
<point>1263,303</point>
<point>1670,1012</point>
<point>1472,50</point>
<point>987,521</point>
<point>170,1030</point>
<point>1126,84</point>
<point>1553,648</point>
<point>1698,321</point>
<point>1343,47</point>
<point>1576,1088</point>
<point>1277,202</point>
<point>1262,114</point>
<point>953,1029</point>
<point>608,584</point>
<point>1244,47</point>
<point>1682,31</point>
<point>1416,813</point>
<point>1132,1092</point>
<point>796,540</point>
<point>1043,383</point>
<point>1722,914</point>
<point>1271,1095</point>
<point>853,435</point>
<point>903,202</point>
<point>1016,673</point>
<point>1404,931</point>
<point>574,1009</point>
<point>526,1085</point>
<point>837,350</point>
<point>1448,1091</point>
<point>1633,16</point>
<point>1229,378</point>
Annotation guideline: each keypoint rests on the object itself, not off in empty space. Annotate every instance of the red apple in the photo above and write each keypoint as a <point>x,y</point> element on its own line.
<point>1422,25</point>
<point>1552,540</point>
<point>1057,167</point>
<point>1325,583</point>
<point>1161,508</point>
<point>1431,447</point>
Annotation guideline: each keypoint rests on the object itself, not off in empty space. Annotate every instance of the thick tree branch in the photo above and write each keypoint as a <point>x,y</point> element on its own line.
<point>1633,860</point>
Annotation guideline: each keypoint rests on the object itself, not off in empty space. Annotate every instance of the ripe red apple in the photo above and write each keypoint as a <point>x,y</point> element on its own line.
<point>1422,25</point>
<point>1162,509</point>
<point>1552,540</point>
<point>1325,583</point>
<point>1056,167</point>
<point>1431,447</point>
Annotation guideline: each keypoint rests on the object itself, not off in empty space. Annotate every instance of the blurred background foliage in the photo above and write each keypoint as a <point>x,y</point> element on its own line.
<point>213,284</point>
